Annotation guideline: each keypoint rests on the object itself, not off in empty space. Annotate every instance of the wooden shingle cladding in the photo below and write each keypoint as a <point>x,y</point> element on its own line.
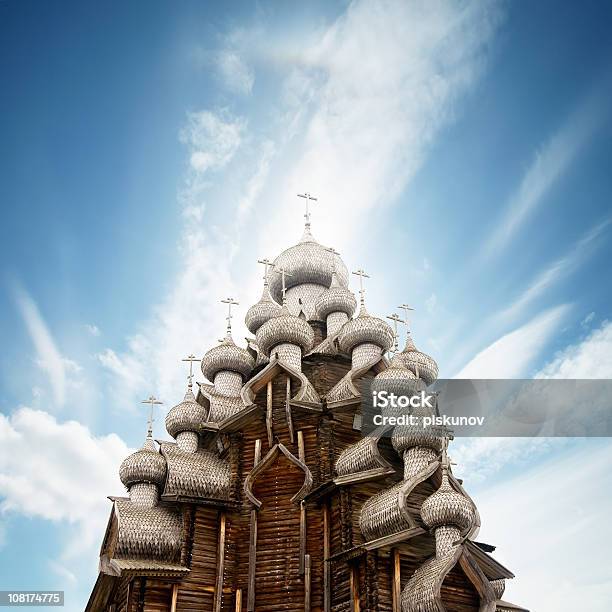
<point>299,556</point>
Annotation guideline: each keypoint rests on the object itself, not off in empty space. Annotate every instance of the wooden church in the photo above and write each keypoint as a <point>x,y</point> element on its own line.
<point>269,497</point>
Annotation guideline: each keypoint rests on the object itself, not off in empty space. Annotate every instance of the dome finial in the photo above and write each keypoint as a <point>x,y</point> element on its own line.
<point>230,302</point>
<point>191,359</point>
<point>361,274</point>
<point>308,199</point>
<point>266,263</point>
<point>283,274</point>
<point>152,401</point>
<point>396,319</point>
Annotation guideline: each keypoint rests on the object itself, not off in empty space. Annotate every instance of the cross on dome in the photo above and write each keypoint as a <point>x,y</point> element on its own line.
<point>361,274</point>
<point>396,319</point>
<point>283,274</point>
<point>191,359</point>
<point>152,401</point>
<point>308,199</point>
<point>407,309</point>
<point>267,264</point>
<point>230,302</point>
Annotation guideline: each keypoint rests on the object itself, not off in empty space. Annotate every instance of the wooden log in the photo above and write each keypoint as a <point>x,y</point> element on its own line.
<point>288,410</point>
<point>253,536</point>
<point>174,597</point>
<point>354,588</point>
<point>397,580</point>
<point>269,408</point>
<point>220,564</point>
<point>238,600</point>
<point>326,564</point>
<point>307,579</point>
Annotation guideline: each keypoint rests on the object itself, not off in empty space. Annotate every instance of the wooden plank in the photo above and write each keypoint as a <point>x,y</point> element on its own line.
<point>238,600</point>
<point>269,407</point>
<point>174,597</point>
<point>354,588</point>
<point>326,564</point>
<point>397,581</point>
<point>288,410</point>
<point>221,564</point>
<point>253,538</point>
<point>307,579</point>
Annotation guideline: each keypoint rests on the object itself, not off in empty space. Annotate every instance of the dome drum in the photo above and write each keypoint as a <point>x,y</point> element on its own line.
<point>228,383</point>
<point>188,441</point>
<point>291,354</point>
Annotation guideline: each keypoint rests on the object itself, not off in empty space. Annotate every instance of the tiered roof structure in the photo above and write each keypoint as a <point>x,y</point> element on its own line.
<point>270,497</point>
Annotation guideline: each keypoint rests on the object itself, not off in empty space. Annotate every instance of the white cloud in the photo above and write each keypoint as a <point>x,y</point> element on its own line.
<point>49,358</point>
<point>512,354</point>
<point>234,71</point>
<point>360,143</point>
<point>557,270</point>
<point>550,163</point>
<point>589,358</point>
<point>586,322</point>
<point>549,515</point>
<point>212,139</point>
<point>94,330</point>
<point>59,472</point>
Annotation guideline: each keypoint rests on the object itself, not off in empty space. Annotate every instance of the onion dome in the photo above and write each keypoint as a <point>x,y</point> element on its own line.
<point>446,507</point>
<point>284,328</point>
<point>186,416</point>
<point>307,262</point>
<point>261,312</point>
<point>421,364</point>
<point>397,378</point>
<point>145,465</point>
<point>365,329</point>
<point>227,356</point>
<point>336,299</point>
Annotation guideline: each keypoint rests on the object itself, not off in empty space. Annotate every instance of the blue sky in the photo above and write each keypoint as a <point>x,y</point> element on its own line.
<point>151,153</point>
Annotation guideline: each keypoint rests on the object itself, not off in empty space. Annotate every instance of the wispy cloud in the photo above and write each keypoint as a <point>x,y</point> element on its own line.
<point>361,144</point>
<point>589,358</point>
<point>49,357</point>
<point>511,355</point>
<point>550,163</point>
<point>234,71</point>
<point>93,330</point>
<point>556,271</point>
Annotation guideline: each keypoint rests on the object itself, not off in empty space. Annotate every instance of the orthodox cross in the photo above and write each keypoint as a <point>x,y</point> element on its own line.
<point>230,302</point>
<point>191,359</point>
<point>396,319</point>
<point>152,401</point>
<point>333,254</point>
<point>267,263</point>
<point>361,274</point>
<point>283,274</point>
<point>308,199</point>
<point>406,310</point>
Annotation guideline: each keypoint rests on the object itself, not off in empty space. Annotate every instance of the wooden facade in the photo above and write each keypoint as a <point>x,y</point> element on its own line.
<point>281,554</point>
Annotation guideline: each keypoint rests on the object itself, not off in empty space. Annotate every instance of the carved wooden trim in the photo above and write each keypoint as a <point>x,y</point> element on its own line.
<point>263,464</point>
